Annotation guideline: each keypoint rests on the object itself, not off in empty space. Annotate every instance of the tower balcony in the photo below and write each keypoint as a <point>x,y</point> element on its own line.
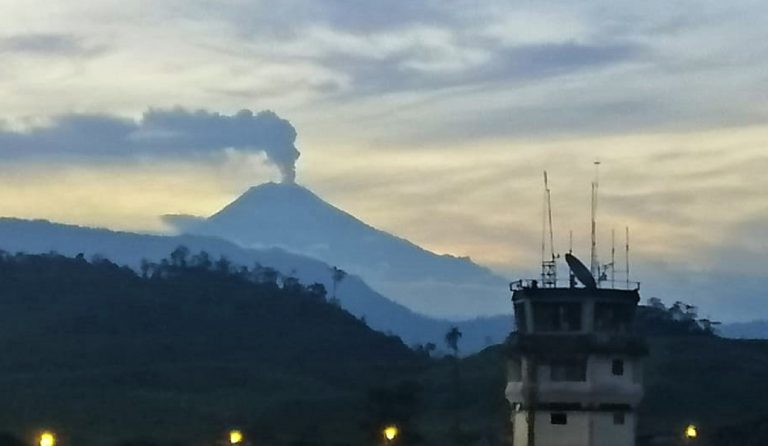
<point>587,394</point>
<point>555,346</point>
<point>590,370</point>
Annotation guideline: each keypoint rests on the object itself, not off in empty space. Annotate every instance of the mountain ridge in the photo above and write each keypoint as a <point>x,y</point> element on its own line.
<point>294,218</point>
<point>42,236</point>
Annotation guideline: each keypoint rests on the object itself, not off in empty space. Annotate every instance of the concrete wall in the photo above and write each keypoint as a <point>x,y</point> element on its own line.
<point>582,429</point>
<point>520,429</point>
<point>607,433</point>
<point>601,386</point>
<point>607,388</point>
<point>575,433</point>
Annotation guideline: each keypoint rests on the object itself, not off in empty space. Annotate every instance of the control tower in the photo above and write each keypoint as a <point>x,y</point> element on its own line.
<point>574,375</point>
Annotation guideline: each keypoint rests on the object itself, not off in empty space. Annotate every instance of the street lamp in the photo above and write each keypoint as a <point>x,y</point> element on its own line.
<point>235,437</point>
<point>47,439</point>
<point>691,433</point>
<point>390,433</point>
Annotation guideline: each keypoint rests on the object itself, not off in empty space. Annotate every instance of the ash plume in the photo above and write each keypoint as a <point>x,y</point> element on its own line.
<point>164,133</point>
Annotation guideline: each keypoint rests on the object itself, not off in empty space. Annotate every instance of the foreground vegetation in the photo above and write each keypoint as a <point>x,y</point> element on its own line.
<point>103,355</point>
<point>183,350</point>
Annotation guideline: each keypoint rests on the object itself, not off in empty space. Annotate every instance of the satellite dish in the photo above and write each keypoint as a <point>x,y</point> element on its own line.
<point>580,271</point>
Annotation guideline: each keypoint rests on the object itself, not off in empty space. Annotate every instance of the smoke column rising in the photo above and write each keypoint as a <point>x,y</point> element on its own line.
<point>165,133</point>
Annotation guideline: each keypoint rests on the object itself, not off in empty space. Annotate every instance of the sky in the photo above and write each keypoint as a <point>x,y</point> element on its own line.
<point>430,119</point>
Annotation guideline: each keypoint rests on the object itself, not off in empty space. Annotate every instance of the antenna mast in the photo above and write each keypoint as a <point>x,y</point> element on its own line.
<point>627,255</point>
<point>571,276</point>
<point>613,258</point>
<point>544,229</point>
<point>548,266</point>
<point>594,267</point>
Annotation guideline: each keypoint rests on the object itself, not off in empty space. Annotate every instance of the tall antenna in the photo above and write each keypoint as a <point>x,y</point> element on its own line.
<point>594,267</point>
<point>613,258</point>
<point>571,276</point>
<point>626,247</point>
<point>548,265</point>
<point>544,229</point>
<point>549,216</point>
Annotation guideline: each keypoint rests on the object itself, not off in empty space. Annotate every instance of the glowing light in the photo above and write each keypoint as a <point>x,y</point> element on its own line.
<point>47,439</point>
<point>691,431</point>
<point>235,437</point>
<point>390,432</point>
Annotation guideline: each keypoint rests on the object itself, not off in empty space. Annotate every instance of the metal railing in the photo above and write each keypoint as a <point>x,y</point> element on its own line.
<point>567,283</point>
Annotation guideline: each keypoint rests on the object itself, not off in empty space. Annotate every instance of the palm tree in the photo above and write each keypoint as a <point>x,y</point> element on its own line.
<point>337,275</point>
<point>452,340</point>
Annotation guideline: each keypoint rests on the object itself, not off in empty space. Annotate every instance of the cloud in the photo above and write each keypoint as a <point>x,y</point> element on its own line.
<point>46,44</point>
<point>169,133</point>
<point>430,67</point>
<point>586,68</point>
<point>289,17</point>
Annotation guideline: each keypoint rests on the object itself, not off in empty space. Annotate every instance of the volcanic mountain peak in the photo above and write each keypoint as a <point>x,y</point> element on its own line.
<point>281,200</point>
<point>292,217</point>
<point>276,192</point>
<point>288,216</point>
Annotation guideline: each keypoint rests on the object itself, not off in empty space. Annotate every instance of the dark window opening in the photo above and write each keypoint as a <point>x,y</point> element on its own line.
<point>558,418</point>
<point>619,418</point>
<point>617,367</point>
<point>520,318</point>
<point>573,370</point>
<point>556,316</point>
<point>613,317</point>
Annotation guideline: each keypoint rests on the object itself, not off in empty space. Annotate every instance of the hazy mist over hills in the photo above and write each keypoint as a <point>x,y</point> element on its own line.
<point>354,295</point>
<point>294,218</point>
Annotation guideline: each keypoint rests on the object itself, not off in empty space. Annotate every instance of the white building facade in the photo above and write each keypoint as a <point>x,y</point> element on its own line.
<point>574,371</point>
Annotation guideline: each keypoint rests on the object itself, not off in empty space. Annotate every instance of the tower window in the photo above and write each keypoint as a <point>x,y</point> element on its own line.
<point>618,367</point>
<point>613,317</point>
<point>619,418</point>
<point>520,318</point>
<point>558,418</point>
<point>556,317</point>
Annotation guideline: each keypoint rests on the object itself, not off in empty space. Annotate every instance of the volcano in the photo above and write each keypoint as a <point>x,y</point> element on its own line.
<point>293,218</point>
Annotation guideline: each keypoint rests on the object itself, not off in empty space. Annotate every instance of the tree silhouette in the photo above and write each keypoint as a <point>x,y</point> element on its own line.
<point>223,265</point>
<point>202,260</point>
<point>452,340</point>
<point>317,290</point>
<point>337,275</point>
<point>179,256</point>
<point>145,267</point>
<point>267,275</point>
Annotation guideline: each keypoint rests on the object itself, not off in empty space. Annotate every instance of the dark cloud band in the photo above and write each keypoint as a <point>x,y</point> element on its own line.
<point>160,132</point>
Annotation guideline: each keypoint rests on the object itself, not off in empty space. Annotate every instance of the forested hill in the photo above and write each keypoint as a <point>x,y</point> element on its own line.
<point>354,295</point>
<point>90,346</point>
<point>210,308</point>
